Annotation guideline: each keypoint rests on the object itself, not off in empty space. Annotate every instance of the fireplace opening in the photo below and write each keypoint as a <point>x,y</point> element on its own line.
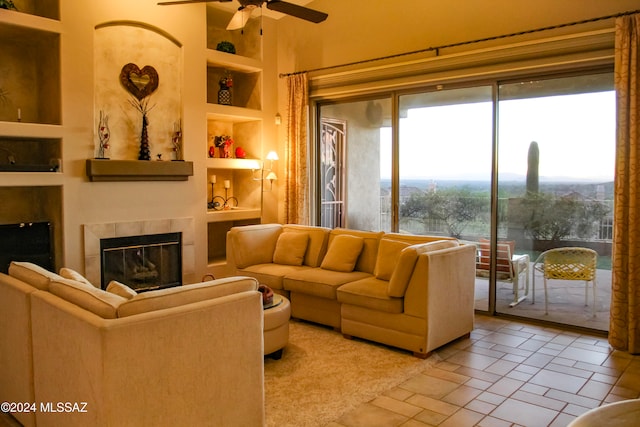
<point>143,263</point>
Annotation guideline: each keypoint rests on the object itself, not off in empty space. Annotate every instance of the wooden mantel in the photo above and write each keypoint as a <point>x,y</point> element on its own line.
<point>138,170</point>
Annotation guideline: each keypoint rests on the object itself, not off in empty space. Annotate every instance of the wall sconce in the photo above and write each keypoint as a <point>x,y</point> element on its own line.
<point>270,174</point>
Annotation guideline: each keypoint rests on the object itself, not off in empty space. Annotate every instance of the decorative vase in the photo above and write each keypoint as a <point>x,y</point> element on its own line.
<point>103,135</point>
<point>224,96</point>
<point>145,153</point>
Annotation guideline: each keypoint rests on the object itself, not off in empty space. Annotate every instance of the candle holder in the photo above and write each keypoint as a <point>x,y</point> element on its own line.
<point>219,203</point>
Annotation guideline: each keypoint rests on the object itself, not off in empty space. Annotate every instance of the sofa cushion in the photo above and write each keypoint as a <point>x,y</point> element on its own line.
<point>318,239</point>
<point>32,274</point>
<point>370,293</point>
<point>121,289</point>
<point>271,274</point>
<point>71,274</point>
<point>90,298</point>
<point>367,259</point>
<point>343,253</point>
<point>290,248</point>
<point>407,260</point>
<point>388,254</point>
<point>320,282</point>
<point>181,295</point>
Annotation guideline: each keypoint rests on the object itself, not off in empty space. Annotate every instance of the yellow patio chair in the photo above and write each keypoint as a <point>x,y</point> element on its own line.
<point>570,263</point>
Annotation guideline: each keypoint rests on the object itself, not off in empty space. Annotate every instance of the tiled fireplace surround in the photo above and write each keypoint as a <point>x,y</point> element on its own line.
<point>94,232</point>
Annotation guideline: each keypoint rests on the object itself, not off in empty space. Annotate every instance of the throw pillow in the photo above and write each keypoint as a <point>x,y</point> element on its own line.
<point>388,255</point>
<point>32,274</point>
<point>290,248</point>
<point>69,273</point>
<point>343,253</point>
<point>115,287</point>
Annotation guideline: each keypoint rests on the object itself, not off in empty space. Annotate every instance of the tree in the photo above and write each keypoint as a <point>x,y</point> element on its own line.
<point>546,217</point>
<point>456,207</point>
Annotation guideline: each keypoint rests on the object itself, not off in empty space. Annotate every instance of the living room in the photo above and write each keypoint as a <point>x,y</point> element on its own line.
<point>79,50</point>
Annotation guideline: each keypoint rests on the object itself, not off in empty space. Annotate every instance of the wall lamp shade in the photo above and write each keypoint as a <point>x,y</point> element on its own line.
<point>271,176</point>
<point>272,155</point>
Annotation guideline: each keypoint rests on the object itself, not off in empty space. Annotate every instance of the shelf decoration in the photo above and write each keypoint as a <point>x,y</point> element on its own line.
<point>103,135</point>
<point>226,46</point>
<point>141,83</point>
<point>223,143</point>
<point>7,4</point>
<point>222,203</point>
<point>176,141</point>
<point>224,94</point>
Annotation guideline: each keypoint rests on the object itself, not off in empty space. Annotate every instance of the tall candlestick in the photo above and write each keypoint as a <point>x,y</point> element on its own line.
<point>227,183</point>
<point>213,179</point>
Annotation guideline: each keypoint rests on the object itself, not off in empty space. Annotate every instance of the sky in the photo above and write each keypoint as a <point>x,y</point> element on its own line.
<point>575,135</point>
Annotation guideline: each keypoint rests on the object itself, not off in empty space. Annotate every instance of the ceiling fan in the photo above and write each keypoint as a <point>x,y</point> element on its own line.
<point>247,7</point>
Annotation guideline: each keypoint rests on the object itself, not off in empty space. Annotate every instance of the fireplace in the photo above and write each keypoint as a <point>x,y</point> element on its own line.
<point>145,262</point>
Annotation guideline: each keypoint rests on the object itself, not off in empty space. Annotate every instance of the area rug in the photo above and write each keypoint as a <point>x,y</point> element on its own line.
<point>322,375</point>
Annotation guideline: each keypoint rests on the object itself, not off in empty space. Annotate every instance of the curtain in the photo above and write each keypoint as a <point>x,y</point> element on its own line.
<point>296,198</point>
<point>624,326</point>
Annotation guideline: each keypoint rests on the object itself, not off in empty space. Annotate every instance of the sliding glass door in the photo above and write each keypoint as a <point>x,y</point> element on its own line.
<point>445,146</point>
<point>556,140</point>
<point>516,168</point>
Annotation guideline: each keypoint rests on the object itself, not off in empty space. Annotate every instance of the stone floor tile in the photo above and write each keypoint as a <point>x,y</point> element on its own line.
<point>493,422</point>
<point>505,386</point>
<point>558,381</point>
<point>368,415</point>
<point>462,395</point>
<point>397,406</point>
<point>462,418</point>
<point>433,405</point>
<point>524,413</point>
<point>429,386</point>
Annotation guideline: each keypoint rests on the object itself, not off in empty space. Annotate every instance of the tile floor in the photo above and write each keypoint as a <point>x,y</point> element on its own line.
<point>507,373</point>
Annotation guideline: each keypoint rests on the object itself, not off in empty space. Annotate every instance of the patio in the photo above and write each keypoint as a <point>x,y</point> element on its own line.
<point>566,300</point>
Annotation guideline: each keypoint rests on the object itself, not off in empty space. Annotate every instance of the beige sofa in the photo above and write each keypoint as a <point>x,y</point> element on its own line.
<point>189,355</point>
<point>411,292</point>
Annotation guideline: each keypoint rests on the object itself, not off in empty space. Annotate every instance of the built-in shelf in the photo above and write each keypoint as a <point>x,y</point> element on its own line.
<point>234,214</point>
<point>249,164</point>
<point>138,170</point>
<point>233,62</point>
<point>232,114</point>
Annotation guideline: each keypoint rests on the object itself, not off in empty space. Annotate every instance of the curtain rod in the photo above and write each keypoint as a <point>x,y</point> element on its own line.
<point>438,48</point>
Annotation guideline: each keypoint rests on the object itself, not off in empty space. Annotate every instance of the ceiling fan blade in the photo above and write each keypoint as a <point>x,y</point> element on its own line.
<point>169,3</point>
<point>297,11</point>
<point>240,18</point>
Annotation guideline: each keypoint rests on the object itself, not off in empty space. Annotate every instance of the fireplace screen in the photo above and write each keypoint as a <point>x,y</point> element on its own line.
<point>143,262</point>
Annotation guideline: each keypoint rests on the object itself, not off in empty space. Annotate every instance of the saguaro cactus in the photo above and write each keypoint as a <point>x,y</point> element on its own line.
<point>533,162</point>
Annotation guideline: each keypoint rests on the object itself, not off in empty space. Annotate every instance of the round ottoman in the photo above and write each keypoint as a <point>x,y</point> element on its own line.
<point>276,326</point>
<point>624,413</point>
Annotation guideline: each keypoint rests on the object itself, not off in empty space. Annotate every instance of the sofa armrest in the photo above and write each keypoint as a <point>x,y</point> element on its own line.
<point>441,290</point>
<point>251,244</point>
<point>16,371</point>
<point>195,364</point>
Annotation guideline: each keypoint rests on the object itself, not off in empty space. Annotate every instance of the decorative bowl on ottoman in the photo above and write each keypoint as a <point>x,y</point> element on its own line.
<point>267,294</point>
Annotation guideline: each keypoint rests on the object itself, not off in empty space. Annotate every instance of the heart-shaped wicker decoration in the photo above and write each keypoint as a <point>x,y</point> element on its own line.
<point>139,83</point>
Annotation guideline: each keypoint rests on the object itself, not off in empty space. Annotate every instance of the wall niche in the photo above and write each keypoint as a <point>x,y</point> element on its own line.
<point>117,44</point>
